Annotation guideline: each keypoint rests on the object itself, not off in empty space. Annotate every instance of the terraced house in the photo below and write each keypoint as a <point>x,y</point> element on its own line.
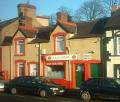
<point>14,36</point>
<point>73,53</point>
<point>111,41</point>
<point>68,52</point>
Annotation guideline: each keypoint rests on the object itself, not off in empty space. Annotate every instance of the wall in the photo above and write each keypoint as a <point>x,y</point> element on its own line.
<point>9,30</point>
<point>113,59</point>
<point>85,46</point>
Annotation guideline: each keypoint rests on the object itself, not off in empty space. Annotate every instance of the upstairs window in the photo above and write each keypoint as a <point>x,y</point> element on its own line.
<point>60,43</point>
<point>20,47</point>
<point>118,45</point>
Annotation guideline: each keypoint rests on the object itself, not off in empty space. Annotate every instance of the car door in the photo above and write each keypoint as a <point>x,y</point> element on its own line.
<point>20,84</point>
<point>32,85</point>
<point>108,88</point>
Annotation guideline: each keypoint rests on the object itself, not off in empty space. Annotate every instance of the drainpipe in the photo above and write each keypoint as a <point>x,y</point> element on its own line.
<point>39,59</point>
<point>69,67</point>
<point>10,62</point>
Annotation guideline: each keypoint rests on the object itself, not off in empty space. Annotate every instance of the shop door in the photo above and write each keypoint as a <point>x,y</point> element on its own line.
<point>79,74</point>
<point>95,70</point>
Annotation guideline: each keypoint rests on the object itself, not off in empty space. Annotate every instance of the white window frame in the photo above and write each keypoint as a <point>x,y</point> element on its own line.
<point>58,45</point>
<point>19,42</point>
<point>118,45</point>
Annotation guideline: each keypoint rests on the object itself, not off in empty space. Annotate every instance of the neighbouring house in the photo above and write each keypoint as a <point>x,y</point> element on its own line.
<point>73,52</point>
<point>14,35</point>
<point>111,40</point>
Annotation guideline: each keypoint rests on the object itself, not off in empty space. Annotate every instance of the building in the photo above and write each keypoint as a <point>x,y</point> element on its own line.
<point>14,36</point>
<point>111,43</point>
<point>73,53</point>
<point>68,52</point>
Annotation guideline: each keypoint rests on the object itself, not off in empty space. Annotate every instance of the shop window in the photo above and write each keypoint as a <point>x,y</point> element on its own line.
<point>55,71</point>
<point>60,43</point>
<point>20,47</point>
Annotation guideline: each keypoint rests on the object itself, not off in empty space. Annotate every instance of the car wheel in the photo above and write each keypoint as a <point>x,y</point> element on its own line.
<point>13,91</point>
<point>42,93</point>
<point>86,97</point>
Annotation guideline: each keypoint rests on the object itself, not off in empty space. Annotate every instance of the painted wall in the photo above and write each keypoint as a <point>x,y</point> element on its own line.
<point>113,59</point>
<point>9,30</point>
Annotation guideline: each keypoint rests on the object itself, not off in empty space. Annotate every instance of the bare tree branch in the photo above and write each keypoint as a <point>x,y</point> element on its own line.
<point>92,9</point>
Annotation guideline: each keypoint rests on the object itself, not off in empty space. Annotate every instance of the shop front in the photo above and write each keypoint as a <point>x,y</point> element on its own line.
<point>83,70</point>
<point>69,71</point>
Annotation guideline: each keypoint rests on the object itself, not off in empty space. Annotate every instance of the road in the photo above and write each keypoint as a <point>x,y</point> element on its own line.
<point>5,97</point>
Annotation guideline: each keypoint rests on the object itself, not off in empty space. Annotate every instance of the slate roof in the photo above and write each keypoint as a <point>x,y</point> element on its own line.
<point>43,35</point>
<point>114,21</point>
<point>90,28</point>
<point>28,32</point>
<point>44,32</point>
<point>7,22</point>
<point>7,41</point>
<point>69,27</point>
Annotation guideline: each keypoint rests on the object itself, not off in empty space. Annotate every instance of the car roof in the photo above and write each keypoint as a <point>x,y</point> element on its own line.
<point>100,78</point>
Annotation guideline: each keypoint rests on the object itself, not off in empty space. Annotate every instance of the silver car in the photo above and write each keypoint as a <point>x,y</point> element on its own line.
<point>2,85</point>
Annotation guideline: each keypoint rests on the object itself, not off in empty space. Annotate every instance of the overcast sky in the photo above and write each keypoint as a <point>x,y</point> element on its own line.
<point>8,8</point>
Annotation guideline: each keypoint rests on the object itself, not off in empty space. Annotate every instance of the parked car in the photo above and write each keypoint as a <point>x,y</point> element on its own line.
<point>41,86</point>
<point>2,84</point>
<point>106,88</point>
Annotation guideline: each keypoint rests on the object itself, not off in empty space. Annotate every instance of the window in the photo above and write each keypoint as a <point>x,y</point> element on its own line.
<point>33,69</point>
<point>55,71</point>
<point>20,47</point>
<point>60,44</point>
<point>117,70</point>
<point>108,83</point>
<point>118,45</point>
<point>20,69</point>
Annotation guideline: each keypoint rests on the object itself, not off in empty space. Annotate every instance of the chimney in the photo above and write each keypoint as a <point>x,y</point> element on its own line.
<point>26,14</point>
<point>62,16</point>
<point>26,10</point>
<point>115,7</point>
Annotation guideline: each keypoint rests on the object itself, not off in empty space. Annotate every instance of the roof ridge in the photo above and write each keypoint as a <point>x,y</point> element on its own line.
<point>29,28</point>
<point>67,23</point>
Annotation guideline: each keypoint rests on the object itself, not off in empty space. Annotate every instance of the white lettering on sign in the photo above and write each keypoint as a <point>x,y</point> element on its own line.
<point>61,57</point>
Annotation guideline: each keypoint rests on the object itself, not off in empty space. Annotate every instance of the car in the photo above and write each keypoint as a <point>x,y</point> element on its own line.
<point>104,88</point>
<point>41,86</point>
<point>2,84</point>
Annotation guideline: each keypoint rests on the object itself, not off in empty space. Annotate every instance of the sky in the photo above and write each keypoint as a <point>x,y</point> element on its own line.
<point>8,8</point>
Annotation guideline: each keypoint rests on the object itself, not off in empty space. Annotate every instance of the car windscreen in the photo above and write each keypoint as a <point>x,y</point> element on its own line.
<point>45,80</point>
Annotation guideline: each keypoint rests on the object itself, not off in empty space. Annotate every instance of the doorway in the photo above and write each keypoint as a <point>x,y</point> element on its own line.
<point>79,74</point>
<point>96,70</point>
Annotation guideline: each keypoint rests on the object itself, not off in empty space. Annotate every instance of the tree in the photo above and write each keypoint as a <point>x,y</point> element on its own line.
<point>108,5</point>
<point>91,9</point>
<point>52,19</point>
